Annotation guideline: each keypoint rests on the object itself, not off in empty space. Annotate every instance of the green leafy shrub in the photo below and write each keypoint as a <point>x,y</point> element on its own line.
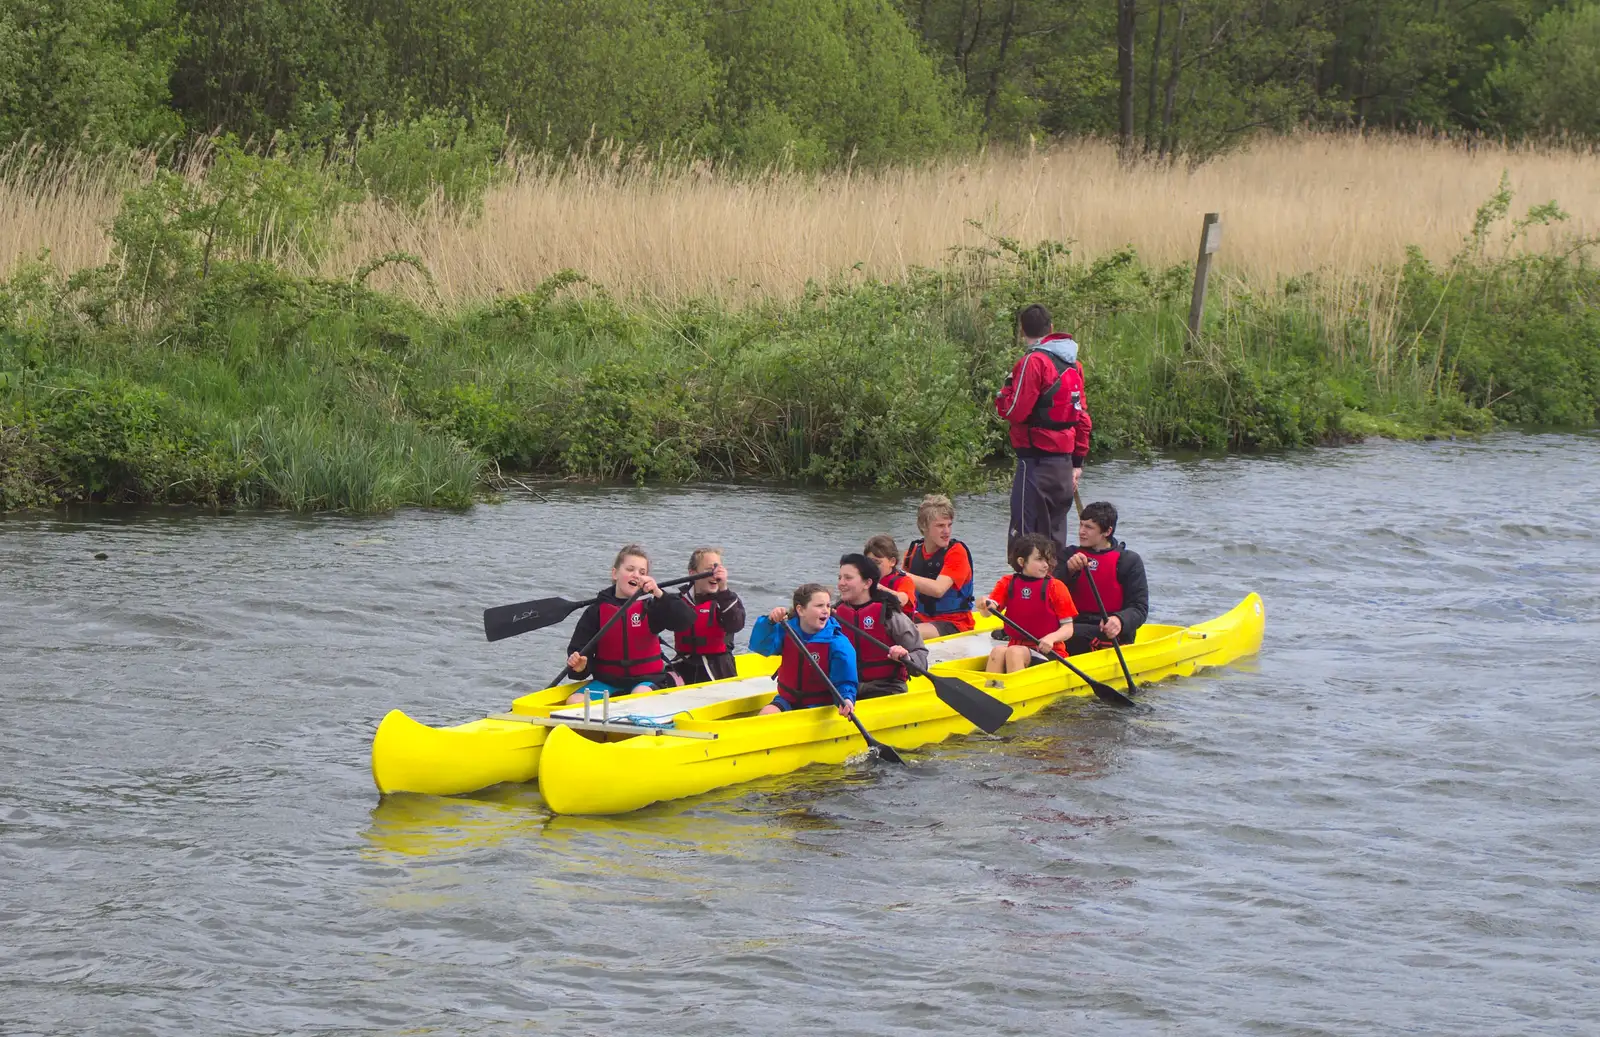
<point>408,162</point>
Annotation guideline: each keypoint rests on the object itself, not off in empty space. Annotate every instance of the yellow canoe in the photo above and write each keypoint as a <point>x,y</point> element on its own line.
<point>410,756</point>
<point>724,744</point>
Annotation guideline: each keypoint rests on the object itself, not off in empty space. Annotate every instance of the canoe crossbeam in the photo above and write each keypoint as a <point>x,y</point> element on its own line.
<point>615,727</point>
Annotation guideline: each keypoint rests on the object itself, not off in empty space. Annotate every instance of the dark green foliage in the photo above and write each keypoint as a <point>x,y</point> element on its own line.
<point>87,73</point>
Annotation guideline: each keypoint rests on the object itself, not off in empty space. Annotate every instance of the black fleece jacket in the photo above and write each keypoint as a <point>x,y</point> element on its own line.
<point>668,612</point>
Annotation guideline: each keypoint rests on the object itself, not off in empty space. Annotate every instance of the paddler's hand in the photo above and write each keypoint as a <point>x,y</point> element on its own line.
<point>719,578</point>
<point>986,606</point>
<point>649,586</point>
<point>1111,627</point>
<point>577,663</point>
<point>898,652</point>
<point>846,707</point>
<point>1077,562</point>
<point>1077,473</point>
<point>779,614</point>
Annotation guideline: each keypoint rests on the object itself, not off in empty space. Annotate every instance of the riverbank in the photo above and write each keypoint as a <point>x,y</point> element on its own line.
<point>201,364</point>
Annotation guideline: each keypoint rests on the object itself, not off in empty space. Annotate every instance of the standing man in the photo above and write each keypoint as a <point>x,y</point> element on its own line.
<point>1043,403</point>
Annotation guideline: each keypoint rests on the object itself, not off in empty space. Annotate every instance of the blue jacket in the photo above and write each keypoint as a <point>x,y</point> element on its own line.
<point>767,639</point>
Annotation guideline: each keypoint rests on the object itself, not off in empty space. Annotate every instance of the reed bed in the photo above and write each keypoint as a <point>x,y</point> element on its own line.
<point>1336,205</point>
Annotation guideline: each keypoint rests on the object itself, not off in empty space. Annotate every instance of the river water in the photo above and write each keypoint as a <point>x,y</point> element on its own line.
<point>1384,824</point>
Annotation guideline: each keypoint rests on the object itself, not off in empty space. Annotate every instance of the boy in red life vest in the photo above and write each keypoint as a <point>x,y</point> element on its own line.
<point>1118,574</point>
<point>876,612</point>
<point>1034,600</point>
<point>1043,404</point>
<point>628,657</point>
<point>940,567</point>
<point>799,687</point>
<point>885,554</point>
<point>705,650</point>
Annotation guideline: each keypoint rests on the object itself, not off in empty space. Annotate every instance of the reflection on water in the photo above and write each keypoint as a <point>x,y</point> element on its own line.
<point>1382,825</point>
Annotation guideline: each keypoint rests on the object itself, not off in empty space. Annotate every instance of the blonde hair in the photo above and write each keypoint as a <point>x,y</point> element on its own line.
<point>632,551</point>
<point>697,557</point>
<point>934,505</point>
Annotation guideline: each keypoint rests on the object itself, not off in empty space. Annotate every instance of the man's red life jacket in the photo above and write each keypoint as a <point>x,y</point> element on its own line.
<point>1059,413</point>
<point>628,651</point>
<point>706,637</point>
<point>798,683</point>
<point>1102,568</point>
<point>872,662</point>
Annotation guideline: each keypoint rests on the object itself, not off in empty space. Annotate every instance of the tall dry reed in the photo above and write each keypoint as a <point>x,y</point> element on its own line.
<point>1339,205</point>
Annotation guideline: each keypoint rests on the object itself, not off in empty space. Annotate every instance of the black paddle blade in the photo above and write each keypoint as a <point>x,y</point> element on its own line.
<point>984,710</point>
<point>884,752</point>
<point>504,621</point>
<point>1106,693</point>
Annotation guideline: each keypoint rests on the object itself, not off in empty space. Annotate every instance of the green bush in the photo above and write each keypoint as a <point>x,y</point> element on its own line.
<point>408,162</point>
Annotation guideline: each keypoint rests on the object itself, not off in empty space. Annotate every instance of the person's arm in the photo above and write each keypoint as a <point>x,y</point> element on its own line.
<point>765,637</point>
<point>1085,426</point>
<point>999,595</point>
<point>956,568</point>
<point>588,625</point>
<point>730,612</point>
<point>904,633</point>
<point>1025,388</point>
<point>1061,604</point>
<point>669,612</point>
<point>1135,592</point>
<point>842,666</point>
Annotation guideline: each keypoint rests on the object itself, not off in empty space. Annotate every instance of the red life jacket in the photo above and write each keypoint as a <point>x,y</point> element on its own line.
<point>1102,569</point>
<point>872,662</point>
<point>706,637</point>
<point>897,580</point>
<point>628,651</point>
<point>798,683</point>
<point>1028,606</point>
<point>1059,406</point>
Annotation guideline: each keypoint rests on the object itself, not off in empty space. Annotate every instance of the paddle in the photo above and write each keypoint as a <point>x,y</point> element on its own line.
<point>874,747</point>
<point>598,634</point>
<point>1103,692</point>
<point>978,706</point>
<point>1133,688</point>
<point>504,621</point>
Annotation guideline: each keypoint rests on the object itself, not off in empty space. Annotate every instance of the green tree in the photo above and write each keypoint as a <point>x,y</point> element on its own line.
<point>829,80</point>
<point>1550,82</point>
<point>254,67</point>
<point>87,73</point>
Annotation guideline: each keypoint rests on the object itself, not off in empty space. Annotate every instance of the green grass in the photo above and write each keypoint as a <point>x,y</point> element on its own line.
<point>258,389</point>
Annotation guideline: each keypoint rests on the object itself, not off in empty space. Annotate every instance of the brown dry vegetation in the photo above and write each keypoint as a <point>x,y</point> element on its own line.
<point>1341,205</point>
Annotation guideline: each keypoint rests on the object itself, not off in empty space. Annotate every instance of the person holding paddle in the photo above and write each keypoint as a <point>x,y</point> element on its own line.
<point>800,684</point>
<point>1042,403</point>
<point>940,567</point>
<point>1038,604</point>
<point>627,658</point>
<point>870,614</point>
<point>705,650</point>
<point>885,554</point>
<point>1117,574</point>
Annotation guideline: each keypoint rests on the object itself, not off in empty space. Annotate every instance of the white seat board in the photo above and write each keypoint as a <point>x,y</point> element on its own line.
<point>665,707</point>
<point>964,647</point>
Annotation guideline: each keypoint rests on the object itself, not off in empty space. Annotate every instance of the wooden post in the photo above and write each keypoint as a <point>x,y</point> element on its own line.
<point>1210,241</point>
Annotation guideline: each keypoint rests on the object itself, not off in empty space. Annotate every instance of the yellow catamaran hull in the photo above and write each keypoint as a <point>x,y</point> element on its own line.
<point>410,756</point>
<point>579,774</point>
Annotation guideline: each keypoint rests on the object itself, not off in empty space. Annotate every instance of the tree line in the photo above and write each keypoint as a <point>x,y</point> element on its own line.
<point>809,83</point>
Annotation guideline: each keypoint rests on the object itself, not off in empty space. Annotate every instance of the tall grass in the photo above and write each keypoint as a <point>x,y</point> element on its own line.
<point>1339,206</point>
